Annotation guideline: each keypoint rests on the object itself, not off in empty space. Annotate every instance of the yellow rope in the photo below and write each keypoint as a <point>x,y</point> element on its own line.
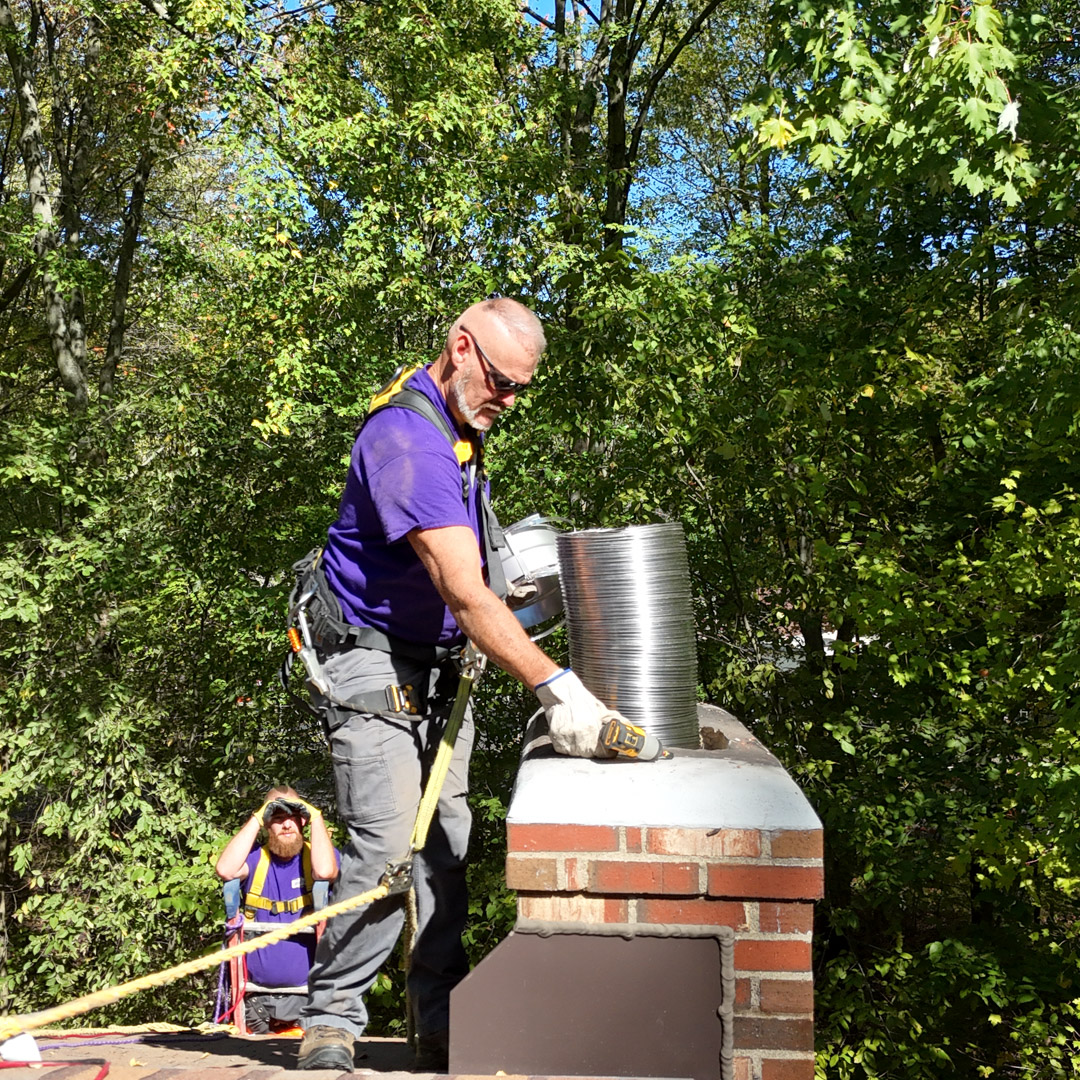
<point>12,1025</point>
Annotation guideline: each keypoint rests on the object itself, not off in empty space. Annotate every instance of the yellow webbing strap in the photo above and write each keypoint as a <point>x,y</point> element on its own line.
<point>260,903</point>
<point>463,448</point>
<point>12,1025</point>
<point>391,388</point>
<point>254,899</point>
<point>443,756</point>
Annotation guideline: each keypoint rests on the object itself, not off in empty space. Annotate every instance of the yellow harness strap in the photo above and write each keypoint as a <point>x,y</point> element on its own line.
<point>254,899</point>
<point>463,448</point>
<point>383,396</point>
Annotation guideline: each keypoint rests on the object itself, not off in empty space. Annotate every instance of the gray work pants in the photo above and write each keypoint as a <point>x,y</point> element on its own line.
<point>380,768</point>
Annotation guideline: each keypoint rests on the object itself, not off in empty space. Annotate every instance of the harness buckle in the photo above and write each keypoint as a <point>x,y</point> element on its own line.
<point>402,699</point>
<point>398,877</point>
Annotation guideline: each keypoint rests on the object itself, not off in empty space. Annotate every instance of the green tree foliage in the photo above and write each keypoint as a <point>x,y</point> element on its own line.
<point>858,395</point>
<point>284,267</point>
<point>932,485</point>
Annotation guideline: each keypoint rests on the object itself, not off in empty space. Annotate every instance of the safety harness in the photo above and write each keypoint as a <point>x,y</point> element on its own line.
<point>397,393</point>
<point>254,899</point>
<point>316,622</point>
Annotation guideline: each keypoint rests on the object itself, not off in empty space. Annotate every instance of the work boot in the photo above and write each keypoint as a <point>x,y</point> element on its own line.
<point>326,1047</point>
<point>433,1052</point>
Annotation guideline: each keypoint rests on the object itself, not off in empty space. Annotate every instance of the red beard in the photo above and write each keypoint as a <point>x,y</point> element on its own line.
<point>285,849</point>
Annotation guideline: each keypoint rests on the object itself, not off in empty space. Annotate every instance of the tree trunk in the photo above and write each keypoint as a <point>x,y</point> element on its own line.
<point>618,164</point>
<point>73,178</point>
<point>581,82</point>
<point>72,375</point>
<point>562,66</point>
<point>118,321</point>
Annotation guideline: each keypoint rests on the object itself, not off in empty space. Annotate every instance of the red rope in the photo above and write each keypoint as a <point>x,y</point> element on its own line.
<point>237,994</point>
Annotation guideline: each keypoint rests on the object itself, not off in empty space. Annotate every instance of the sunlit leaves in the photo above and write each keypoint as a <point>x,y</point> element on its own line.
<point>941,90</point>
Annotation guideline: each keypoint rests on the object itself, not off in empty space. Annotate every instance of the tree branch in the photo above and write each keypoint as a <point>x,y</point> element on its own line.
<point>32,150</point>
<point>118,323</point>
<point>232,56</point>
<point>637,39</point>
<point>526,10</point>
<point>12,291</point>
<point>592,15</point>
<point>658,74</point>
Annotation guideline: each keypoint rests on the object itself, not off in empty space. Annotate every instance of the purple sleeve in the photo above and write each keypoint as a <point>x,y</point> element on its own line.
<point>251,862</point>
<point>413,477</point>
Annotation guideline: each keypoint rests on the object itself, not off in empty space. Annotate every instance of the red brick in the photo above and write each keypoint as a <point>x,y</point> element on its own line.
<point>633,838</point>
<point>616,911</point>
<point>761,1033</point>
<point>562,838</point>
<point>742,1068</point>
<point>742,993</point>
<point>643,878</point>
<point>577,874</point>
<point>787,996</point>
<point>565,907</point>
<point>691,911</point>
<point>766,882</point>
<point>706,843</point>
<point>785,918</point>
<point>797,844</point>
<point>775,955</point>
<point>531,875</point>
<point>787,1069</point>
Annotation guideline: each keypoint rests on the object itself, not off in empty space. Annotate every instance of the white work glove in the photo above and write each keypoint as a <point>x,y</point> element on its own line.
<point>574,716</point>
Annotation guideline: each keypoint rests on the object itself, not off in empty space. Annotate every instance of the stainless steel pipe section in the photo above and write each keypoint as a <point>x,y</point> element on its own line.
<point>626,594</point>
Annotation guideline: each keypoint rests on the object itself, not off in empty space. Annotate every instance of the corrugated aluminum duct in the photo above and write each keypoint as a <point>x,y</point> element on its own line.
<point>627,598</point>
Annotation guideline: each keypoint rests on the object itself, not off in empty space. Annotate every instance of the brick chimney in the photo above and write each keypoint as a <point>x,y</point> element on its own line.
<point>713,844</point>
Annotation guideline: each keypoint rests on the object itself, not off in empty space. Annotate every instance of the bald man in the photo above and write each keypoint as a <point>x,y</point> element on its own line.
<point>405,566</point>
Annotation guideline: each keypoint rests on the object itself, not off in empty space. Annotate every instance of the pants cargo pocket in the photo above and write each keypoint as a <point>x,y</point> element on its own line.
<point>365,790</point>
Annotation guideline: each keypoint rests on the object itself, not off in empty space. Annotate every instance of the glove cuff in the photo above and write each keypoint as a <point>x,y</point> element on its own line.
<point>551,678</point>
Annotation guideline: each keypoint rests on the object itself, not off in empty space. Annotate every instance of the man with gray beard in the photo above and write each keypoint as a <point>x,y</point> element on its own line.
<point>407,577</point>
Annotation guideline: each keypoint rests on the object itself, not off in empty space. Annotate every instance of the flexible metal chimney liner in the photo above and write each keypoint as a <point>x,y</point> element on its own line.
<point>627,598</point>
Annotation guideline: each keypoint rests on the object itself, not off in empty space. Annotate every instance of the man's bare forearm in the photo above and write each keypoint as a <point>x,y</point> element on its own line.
<point>230,864</point>
<point>492,627</point>
<point>452,558</point>
<point>323,860</point>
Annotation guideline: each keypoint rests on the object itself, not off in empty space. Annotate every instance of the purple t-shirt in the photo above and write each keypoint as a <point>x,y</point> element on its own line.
<point>288,962</point>
<point>403,475</point>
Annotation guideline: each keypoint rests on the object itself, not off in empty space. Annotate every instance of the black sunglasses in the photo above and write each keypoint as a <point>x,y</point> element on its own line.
<point>495,378</point>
